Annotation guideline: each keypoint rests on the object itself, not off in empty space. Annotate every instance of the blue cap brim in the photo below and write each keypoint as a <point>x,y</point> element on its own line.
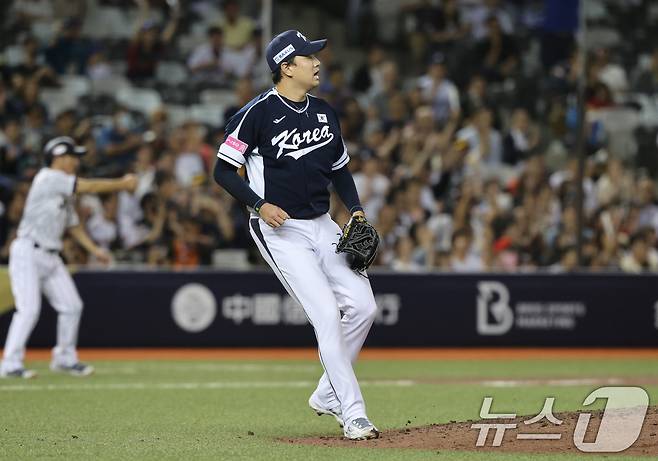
<point>312,48</point>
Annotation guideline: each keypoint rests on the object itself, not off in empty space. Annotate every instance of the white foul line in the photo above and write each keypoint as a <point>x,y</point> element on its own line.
<point>552,382</point>
<point>188,386</point>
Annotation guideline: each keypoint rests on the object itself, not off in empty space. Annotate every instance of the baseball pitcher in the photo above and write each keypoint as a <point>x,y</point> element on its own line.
<point>291,146</point>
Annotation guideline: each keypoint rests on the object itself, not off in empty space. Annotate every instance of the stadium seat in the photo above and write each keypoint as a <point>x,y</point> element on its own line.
<point>171,73</point>
<point>220,97</point>
<point>43,31</point>
<point>13,55</point>
<point>211,114</point>
<point>233,259</point>
<point>178,114</point>
<point>620,125</point>
<point>76,84</point>
<point>109,86</point>
<point>57,100</point>
<point>142,99</point>
<point>648,115</point>
<point>108,22</point>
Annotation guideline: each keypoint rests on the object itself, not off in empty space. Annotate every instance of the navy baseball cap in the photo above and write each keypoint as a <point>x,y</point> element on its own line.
<point>63,145</point>
<point>288,44</point>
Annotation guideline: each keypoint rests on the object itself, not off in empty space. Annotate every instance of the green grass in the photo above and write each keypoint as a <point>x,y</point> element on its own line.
<point>180,410</point>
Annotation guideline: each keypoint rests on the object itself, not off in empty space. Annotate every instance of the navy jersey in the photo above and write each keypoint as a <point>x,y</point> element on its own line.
<point>289,152</point>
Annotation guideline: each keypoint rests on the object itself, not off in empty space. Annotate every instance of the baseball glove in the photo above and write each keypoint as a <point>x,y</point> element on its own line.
<point>359,241</point>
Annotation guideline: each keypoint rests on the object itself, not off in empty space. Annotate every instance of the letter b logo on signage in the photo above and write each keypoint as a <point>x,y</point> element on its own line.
<point>494,314</point>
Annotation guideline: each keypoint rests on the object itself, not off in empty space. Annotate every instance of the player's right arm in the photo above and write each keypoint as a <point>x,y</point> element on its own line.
<point>100,186</point>
<point>242,133</point>
<point>226,175</point>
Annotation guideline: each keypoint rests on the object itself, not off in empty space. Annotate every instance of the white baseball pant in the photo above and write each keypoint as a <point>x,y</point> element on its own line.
<point>31,272</point>
<point>302,254</point>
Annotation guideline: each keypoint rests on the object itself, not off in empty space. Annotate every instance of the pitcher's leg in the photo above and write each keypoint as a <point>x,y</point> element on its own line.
<point>355,299</point>
<point>24,278</point>
<point>297,266</point>
<point>60,290</point>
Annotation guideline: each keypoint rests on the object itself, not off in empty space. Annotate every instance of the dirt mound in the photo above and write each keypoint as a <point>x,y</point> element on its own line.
<point>459,436</point>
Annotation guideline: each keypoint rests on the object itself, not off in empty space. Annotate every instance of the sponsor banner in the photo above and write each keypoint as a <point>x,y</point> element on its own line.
<point>142,309</point>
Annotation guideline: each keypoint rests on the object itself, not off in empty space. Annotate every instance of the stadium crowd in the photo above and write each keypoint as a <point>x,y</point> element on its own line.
<point>460,121</point>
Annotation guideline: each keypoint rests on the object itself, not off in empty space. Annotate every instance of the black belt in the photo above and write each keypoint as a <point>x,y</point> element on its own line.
<point>47,250</point>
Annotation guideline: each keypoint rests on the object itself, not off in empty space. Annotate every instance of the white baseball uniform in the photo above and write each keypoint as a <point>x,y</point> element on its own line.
<point>35,267</point>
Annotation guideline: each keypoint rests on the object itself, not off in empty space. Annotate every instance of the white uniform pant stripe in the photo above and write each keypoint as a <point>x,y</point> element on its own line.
<point>302,251</point>
<point>257,235</point>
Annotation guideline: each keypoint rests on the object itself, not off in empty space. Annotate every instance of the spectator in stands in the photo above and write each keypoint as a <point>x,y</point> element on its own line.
<point>192,155</point>
<point>638,258</point>
<point>98,67</point>
<point>425,253</point>
<point>389,86</point>
<point>65,123</point>
<point>480,17</point>
<point>404,253</point>
<point>475,96</point>
<point>645,197</point>
<point>334,88</point>
<point>647,80</point>
<point>372,186</point>
<point>190,247</point>
<point>27,13</point>
<point>485,147</point>
<point>32,63</point>
<point>69,51</point>
<point>206,63</point>
<point>14,157</point>
<point>238,28</point>
<point>568,260</point>
<point>69,8</point>
<point>368,77</point>
<point>420,22</point>
<point>149,44</point>
<point>609,73</point>
<point>34,128</point>
<point>158,129</point>
<point>450,28</point>
<point>102,225</point>
<point>521,139</point>
<point>119,141</point>
<point>5,106</point>
<point>215,219</point>
<point>243,93</point>
<point>439,92</point>
<point>496,53</point>
<point>615,184</point>
<point>10,219</point>
<point>462,257</point>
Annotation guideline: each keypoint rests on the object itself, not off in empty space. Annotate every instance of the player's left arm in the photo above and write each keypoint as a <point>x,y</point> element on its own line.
<point>341,177</point>
<point>80,235</point>
<point>346,189</point>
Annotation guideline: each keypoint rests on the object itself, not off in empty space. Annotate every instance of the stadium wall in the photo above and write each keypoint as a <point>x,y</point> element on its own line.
<point>207,309</point>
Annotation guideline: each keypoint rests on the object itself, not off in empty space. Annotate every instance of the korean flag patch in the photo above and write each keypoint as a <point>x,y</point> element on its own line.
<point>322,118</point>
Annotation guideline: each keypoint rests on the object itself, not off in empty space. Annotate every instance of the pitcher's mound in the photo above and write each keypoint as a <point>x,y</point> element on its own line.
<point>460,436</point>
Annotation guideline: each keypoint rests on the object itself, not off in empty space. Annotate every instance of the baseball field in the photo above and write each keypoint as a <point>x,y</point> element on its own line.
<point>251,404</point>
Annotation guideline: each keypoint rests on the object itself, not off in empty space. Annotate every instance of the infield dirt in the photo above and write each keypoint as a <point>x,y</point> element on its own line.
<point>459,436</point>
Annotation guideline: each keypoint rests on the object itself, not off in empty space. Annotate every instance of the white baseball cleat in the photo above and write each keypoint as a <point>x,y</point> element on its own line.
<point>77,369</point>
<point>19,373</point>
<point>361,429</point>
<point>319,410</point>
